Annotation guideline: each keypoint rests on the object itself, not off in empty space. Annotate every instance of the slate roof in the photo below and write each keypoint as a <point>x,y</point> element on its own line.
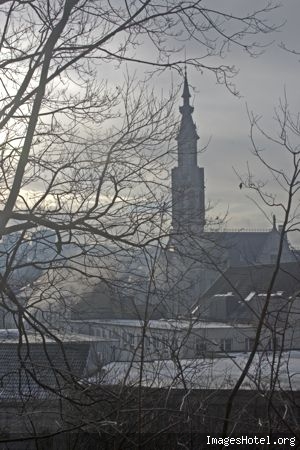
<point>32,372</point>
<point>256,278</point>
<point>243,247</point>
<point>236,248</point>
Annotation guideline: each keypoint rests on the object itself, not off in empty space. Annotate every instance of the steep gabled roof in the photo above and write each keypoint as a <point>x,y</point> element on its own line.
<point>244,247</point>
<point>256,278</point>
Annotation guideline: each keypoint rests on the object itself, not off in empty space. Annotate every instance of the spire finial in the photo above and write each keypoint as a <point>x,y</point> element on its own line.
<point>186,92</point>
<point>274,223</point>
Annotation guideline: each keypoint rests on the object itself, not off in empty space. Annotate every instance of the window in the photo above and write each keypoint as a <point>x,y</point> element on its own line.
<point>131,339</point>
<point>201,346</point>
<point>274,344</point>
<point>249,344</point>
<point>99,332</point>
<point>156,342</point>
<point>164,344</point>
<point>175,343</point>
<point>147,341</point>
<point>226,345</point>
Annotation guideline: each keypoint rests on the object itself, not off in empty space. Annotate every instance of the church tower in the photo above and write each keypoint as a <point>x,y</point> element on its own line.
<point>188,204</point>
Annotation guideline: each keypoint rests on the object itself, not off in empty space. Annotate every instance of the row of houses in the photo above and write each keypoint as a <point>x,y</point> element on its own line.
<point>167,339</point>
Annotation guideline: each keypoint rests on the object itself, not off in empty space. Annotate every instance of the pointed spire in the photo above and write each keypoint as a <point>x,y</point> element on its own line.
<point>187,130</point>
<point>274,223</point>
<point>186,108</point>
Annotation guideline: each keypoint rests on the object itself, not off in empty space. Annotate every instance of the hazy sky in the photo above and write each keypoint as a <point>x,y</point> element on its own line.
<point>218,114</point>
<point>221,116</point>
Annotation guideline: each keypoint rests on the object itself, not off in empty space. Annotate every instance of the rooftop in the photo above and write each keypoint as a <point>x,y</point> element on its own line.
<point>256,278</point>
<point>164,324</point>
<point>41,371</point>
<point>220,373</point>
<point>11,336</point>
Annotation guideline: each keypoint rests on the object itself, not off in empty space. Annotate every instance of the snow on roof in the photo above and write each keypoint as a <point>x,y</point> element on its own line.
<point>195,310</point>
<point>228,294</point>
<point>250,296</point>
<point>163,324</point>
<point>219,373</point>
<point>8,336</point>
<point>273,294</point>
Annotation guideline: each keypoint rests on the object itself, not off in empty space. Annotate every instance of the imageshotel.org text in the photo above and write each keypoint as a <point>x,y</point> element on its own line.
<point>253,440</point>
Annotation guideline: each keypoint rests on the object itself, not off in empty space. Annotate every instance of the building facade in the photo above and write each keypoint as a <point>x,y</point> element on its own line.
<point>136,340</point>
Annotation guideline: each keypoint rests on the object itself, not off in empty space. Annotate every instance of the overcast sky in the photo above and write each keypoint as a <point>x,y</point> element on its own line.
<point>223,117</point>
<point>218,114</point>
